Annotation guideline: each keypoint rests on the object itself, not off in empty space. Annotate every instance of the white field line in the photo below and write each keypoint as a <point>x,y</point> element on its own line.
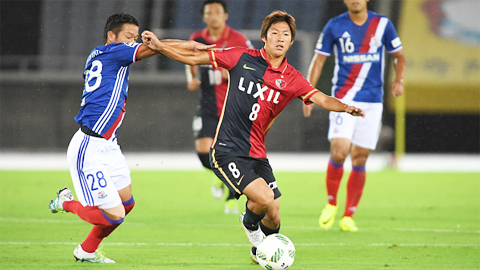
<point>127,223</point>
<point>245,245</point>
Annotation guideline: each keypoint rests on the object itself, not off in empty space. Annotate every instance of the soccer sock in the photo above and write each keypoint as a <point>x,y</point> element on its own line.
<point>334,176</point>
<point>251,220</point>
<point>98,232</point>
<point>204,158</point>
<point>91,214</point>
<point>356,182</point>
<point>267,231</point>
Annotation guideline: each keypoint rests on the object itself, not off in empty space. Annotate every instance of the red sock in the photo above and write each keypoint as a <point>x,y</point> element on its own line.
<point>98,232</point>
<point>91,214</point>
<point>334,176</point>
<point>356,182</point>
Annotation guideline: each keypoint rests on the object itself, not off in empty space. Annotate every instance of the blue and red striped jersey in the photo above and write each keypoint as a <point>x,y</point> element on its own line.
<point>256,95</point>
<point>106,88</point>
<point>359,55</point>
<point>213,86</point>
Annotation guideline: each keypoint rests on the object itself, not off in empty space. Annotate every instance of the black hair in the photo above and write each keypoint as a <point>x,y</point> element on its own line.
<point>115,23</point>
<point>221,2</point>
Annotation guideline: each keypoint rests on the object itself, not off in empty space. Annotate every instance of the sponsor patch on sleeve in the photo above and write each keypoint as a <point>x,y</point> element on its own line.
<point>396,43</point>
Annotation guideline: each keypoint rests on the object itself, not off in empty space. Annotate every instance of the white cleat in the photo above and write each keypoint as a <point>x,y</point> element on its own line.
<point>94,257</point>
<point>63,195</point>
<point>255,237</point>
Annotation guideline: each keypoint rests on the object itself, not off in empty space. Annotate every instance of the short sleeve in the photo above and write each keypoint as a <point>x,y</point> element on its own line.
<point>392,41</point>
<point>326,40</point>
<point>126,53</point>
<point>304,90</point>
<point>226,58</point>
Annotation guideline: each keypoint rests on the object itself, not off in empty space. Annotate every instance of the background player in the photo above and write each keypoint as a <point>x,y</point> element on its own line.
<point>358,38</point>
<point>213,84</point>
<point>99,172</point>
<point>261,84</point>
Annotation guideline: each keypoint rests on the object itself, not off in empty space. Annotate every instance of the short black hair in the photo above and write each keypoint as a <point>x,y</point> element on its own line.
<point>115,23</point>
<point>221,2</point>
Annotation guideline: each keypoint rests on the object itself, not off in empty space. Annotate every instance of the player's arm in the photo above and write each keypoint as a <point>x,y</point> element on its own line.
<point>332,104</point>
<point>399,64</point>
<point>187,52</point>
<point>314,72</point>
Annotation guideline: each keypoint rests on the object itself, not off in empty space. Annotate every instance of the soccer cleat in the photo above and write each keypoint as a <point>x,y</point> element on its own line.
<point>94,257</point>
<point>348,225</point>
<point>253,255</point>
<point>328,216</point>
<point>63,195</point>
<point>231,207</point>
<point>217,189</point>
<point>255,237</point>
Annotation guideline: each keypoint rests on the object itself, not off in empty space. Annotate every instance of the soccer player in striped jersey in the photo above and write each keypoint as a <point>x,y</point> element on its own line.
<point>358,39</point>
<point>213,83</point>
<point>98,169</point>
<point>261,84</point>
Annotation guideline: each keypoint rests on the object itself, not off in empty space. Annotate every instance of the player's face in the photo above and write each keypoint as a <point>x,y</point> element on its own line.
<point>128,34</point>
<point>356,6</point>
<point>278,39</point>
<point>214,15</point>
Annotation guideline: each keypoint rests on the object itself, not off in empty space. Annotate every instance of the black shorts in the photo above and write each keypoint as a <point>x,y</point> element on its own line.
<point>237,172</point>
<point>204,126</point>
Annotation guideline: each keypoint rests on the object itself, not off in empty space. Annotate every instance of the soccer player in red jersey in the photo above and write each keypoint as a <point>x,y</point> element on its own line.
<point>213,83</point>
<point>261,84</point>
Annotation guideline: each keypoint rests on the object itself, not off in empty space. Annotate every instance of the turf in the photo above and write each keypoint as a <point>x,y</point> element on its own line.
<point>406,221</point>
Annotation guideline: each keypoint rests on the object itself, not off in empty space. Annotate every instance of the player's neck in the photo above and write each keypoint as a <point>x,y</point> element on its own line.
<point>358,18</point>
<point>216,33</point>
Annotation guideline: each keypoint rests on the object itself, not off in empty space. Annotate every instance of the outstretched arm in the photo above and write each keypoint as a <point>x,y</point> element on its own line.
<point>187,52</point>
<point>332,104</point>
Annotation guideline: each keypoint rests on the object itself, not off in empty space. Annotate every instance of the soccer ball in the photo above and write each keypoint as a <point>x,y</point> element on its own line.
<point>276,252</point>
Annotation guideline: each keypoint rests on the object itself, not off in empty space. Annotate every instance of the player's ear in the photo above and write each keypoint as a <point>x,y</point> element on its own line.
<point>110,37</point>
<point>264,40</point>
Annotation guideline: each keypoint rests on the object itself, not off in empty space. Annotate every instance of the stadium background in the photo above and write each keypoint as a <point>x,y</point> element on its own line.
<point>44,45</point>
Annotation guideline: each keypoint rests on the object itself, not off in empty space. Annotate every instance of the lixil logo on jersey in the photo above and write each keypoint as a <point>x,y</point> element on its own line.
<point>273,95</point>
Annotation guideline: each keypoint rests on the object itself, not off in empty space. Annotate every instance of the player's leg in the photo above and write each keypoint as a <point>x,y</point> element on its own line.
<point>340,131</point>
<point>364,141</point>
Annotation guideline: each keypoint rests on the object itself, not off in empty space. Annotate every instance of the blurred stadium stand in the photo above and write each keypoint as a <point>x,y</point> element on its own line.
<point>44,45</point>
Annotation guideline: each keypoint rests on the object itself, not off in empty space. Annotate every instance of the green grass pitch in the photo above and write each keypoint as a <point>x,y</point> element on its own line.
<point>405,220</point>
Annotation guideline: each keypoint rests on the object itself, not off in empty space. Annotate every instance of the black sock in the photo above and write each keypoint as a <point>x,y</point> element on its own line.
<point>268,231</point>
<point>251,220</point>
<point>204,159</point>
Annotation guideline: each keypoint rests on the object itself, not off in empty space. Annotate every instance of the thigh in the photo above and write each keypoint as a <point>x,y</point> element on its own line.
<point>367,130</point>
<point>91,177</point>
<point>341,125</point>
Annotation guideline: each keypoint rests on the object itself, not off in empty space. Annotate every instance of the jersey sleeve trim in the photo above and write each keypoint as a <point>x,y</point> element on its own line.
<point>306,97</point>
<point>212,59</point>
<point>396,50</point>
<point>135,60</point>
<point>322,53</point>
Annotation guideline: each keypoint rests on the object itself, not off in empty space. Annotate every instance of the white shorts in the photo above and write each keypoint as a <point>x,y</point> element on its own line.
<point>98,170</point>
<point>363,132</point>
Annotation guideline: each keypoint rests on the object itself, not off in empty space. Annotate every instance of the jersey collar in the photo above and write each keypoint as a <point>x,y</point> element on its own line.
<point>222,41</point>
<point>281,69</point>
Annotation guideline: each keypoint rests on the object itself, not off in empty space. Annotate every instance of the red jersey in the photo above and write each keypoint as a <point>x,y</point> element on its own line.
<point>213,86</point>
<point>256,95</point>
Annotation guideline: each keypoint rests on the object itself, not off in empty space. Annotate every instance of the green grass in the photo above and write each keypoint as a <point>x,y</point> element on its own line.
<point>406,221</point>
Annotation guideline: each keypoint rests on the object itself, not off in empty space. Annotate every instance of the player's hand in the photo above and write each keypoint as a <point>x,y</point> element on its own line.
<point>355,111</point>
<point>194,84</point>
<point>397,88</point>
<point>307,109</point>
<point>151,40</point>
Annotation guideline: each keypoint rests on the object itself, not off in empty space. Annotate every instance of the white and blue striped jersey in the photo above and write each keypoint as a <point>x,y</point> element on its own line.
<point>106,88</point>
<point>359,55</point>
